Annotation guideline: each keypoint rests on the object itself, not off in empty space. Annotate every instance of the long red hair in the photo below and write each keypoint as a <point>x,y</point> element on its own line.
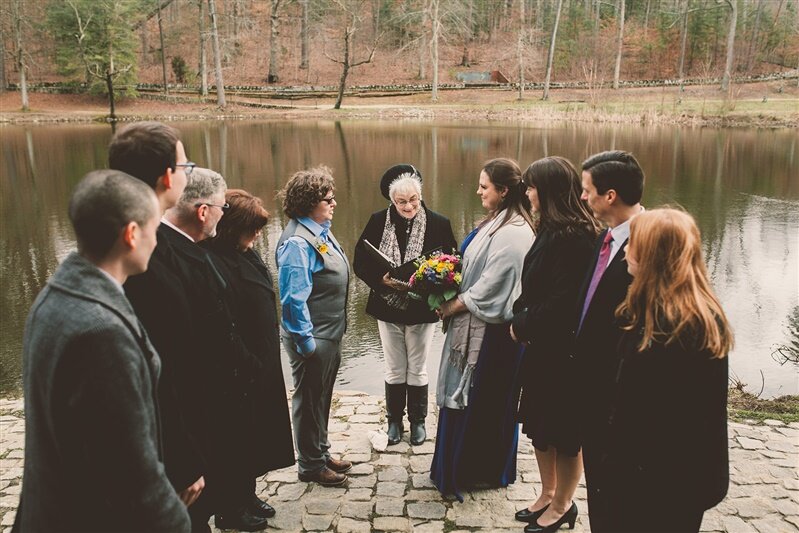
<point>670,297</point>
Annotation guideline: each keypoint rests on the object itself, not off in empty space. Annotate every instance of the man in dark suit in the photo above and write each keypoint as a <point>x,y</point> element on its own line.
<point>92,441</point>
<point>153,153</point>
<point>180,301</point>
<point>613,184</point>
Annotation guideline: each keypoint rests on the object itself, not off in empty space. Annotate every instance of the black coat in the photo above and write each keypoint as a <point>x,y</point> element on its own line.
<point>595,348</point>
<point>667,432</point>
<point>438,233</point>
<point>161,303</point>
<point>544,317</point>
<point>183,304</point>
<point>269,444</point>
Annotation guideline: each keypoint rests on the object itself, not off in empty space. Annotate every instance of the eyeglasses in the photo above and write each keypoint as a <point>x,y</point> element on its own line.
<point>187,166</point>
<point>402,203</point>
<point>328,201</point>
<point>224,207</point>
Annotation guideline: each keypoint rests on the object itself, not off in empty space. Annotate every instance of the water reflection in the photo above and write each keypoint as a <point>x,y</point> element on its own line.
<point>740,184</point>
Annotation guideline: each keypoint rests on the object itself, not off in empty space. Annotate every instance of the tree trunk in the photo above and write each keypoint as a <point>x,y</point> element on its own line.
<point>304,38</point>
<point>272,76</point>
<point>345,68</point>
<point>520,49</point>
<point>109,83</point>
<point>725,80</point>
<point>375,18</point>
<point>468,37</point>
<point>753,41</point>
<point>163,51</point>
<point>220,82</point>
<point>19,7</point>
<point>3,77</point>
<point>619,43</point>
<point>683,41</point>
<point>203,58</point>
<point>646,18</point>
<point>424,51</point>
<point>539,17</point>
<point>551,55</point>
<point>434,16</point>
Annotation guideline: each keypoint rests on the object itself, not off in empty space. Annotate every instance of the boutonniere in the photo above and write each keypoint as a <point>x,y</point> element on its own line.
<point>322,246</point>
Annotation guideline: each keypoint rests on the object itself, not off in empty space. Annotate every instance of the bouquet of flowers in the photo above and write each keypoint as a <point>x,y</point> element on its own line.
<point>436,279</point>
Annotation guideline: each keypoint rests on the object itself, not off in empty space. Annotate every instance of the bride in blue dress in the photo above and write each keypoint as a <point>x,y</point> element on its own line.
<point>477,392</point>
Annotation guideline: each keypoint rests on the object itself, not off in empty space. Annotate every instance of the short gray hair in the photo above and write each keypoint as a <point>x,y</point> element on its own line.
<point>103,203</point>
<point>406,183</point>
<point>201,185</point>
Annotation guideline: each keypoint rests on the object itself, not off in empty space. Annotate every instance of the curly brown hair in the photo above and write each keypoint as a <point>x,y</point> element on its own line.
<point>305,189</point>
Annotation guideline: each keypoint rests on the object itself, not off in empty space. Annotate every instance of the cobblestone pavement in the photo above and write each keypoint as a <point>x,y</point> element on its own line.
<point>391,490</point>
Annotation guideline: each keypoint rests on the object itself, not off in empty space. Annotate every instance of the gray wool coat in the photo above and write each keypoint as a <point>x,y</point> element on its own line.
<point>92,439</point>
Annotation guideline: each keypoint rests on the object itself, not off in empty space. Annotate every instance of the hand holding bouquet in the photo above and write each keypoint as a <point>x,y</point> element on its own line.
<point>436,279</point>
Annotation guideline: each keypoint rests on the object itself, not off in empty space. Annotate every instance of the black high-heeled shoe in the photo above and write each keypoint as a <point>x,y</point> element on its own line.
<point>525,515</point>
<point>569,517</point>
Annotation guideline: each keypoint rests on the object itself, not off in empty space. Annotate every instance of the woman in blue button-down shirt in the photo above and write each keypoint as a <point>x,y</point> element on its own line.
<point>313,275</point>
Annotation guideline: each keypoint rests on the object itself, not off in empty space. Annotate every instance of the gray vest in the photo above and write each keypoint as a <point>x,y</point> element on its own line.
<point>327,304</point>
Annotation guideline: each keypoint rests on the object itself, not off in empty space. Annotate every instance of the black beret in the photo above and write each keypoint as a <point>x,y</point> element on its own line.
<point>393,173</point>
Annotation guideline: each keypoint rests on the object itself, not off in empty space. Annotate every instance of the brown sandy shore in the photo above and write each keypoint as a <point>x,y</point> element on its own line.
<point>389,488</point>
<point>760,105</point>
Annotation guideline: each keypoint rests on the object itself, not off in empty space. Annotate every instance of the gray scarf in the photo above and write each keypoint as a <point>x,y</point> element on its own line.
<point>390,247</point>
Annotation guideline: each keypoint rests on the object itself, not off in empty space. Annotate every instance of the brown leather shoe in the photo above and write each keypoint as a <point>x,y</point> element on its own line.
<point>325,477</point>
<point>339,465</point>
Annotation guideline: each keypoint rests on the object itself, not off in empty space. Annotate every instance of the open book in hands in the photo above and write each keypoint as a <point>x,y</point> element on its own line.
<point>401,273</point>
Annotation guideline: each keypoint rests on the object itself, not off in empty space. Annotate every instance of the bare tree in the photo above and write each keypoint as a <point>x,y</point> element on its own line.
<point>683,40</point>
<point>162,4</point>
<point>220,82</point>
<point>17,16</point>
<point>163,50</point>
<point>351,11</point>
<point>304,36</point>
<point>619,42</point>
<point>551,55</point>
<point>203,60</point>
<point>468,34</point>
<point>272,76</point>
<point>520,48</point>
<point>435,20</point>
<point>3,77</point>
<point>725,80</point>
<point>753,41</point>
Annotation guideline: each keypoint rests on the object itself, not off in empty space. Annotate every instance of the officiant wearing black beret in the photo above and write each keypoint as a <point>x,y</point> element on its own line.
<point>402,231</point>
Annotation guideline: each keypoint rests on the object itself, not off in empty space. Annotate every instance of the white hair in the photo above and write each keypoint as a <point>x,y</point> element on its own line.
<point>405,183</point>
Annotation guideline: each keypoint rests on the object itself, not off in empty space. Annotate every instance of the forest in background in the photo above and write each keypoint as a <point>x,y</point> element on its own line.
<point>111,45</point>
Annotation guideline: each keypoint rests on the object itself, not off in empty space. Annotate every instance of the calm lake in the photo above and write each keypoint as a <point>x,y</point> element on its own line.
<point>741,185</point>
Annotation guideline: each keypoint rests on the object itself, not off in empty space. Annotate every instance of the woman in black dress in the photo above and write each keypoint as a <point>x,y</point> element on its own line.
<point>667,457</point>
<point>544,317</point>
<point>403,231</point>
<point>265,442</point>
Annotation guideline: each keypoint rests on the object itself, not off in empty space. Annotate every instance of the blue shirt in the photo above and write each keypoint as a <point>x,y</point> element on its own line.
<point>297,262</point>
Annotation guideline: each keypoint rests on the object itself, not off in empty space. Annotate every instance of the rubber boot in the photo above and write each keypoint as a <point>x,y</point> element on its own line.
<point>417,412</point>
<point>395,410</point>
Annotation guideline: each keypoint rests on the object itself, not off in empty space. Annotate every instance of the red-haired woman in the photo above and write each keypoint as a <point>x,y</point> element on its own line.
<point>667,460</point>
<point>266,439</point>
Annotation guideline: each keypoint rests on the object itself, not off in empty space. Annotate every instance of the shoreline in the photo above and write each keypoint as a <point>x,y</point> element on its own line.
<point>765,105</point>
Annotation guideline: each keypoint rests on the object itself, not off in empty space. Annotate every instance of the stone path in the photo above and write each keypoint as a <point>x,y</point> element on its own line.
<point>390,490</point>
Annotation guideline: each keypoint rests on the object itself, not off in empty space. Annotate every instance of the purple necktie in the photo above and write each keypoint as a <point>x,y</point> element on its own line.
<point>601,265</point>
